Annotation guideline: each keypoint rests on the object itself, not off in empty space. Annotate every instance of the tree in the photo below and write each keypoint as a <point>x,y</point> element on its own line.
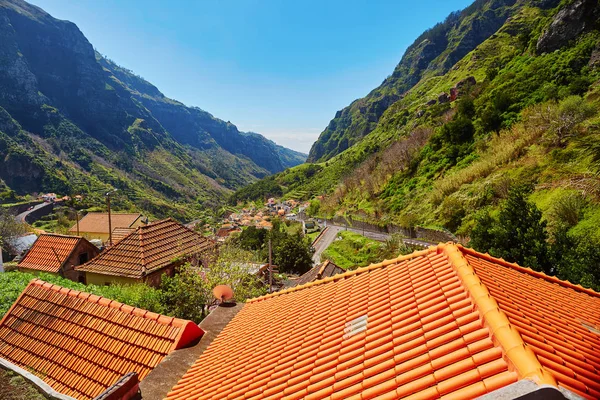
<point>9,228</point>
<point>566,117</point>
<point>291,253</point>
<point>393,247</point>
<point>575,260</point>
<point>518,234</point>
<point>189,295</point>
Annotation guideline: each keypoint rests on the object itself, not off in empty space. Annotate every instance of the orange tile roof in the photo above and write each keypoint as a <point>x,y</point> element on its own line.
<point>119,234</point>
<point>419,326</point>
<point>98,222</point>
<point>80,344</point>
<point>49,252</point>
<point>148,249</point>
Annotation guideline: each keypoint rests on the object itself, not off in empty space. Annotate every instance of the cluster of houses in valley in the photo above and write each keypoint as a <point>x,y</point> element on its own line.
<point>259,218</point>
<point>445,322</point>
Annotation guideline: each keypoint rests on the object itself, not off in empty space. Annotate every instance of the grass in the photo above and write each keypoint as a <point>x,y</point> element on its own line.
<point>313,235</point>
<point>352,250</point>
<point>15,387</point>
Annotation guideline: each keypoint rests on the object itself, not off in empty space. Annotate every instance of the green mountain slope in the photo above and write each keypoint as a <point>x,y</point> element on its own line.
<point>72,121</point>
<point>521,107</point>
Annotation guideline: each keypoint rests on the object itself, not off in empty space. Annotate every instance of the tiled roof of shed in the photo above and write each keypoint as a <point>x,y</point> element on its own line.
<point>49,252</point>
<point>147,249</point>
<point>420,326</point>
<point>323,270</point>
<point>98,222</point>
<point>80,344</point>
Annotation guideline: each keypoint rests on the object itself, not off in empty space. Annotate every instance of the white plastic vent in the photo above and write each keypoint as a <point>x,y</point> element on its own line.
<point>355,326</point>
<point>592,328</point>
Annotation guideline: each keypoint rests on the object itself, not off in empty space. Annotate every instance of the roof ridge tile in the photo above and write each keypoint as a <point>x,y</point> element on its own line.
<point>348,274</point>
<point>523,359</point>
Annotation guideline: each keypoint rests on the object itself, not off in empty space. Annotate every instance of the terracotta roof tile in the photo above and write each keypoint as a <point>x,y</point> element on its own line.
<point>98,222</point>
<point>80,344</point>
<point>49,252</point>
<point>446,322</point>
<point>147,249</point>
<point>550,316</point>
<point>119,234</point>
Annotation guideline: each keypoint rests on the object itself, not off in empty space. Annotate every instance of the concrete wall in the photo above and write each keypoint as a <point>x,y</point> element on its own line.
<point>73,261</point>
<point>154,278</point>
<point>42,387</point>
<point>34,215</point>
<point>92,278</point>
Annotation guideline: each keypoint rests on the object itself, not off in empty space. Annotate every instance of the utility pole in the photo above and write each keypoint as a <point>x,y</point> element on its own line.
<point>270,268</point>
<point>77,217</point>
<point>109,221</point>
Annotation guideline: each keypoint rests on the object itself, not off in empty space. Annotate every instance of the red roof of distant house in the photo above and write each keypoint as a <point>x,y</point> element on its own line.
<point>148,249</point>
<point>446,322</point>
<point>80,344</point>
<point>50,252</point>
<point>98,222</point>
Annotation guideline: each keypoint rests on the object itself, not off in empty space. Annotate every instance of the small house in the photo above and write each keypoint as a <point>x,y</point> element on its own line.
<point>147,253</point>
<point>58,254</point>
<point>96,226</point>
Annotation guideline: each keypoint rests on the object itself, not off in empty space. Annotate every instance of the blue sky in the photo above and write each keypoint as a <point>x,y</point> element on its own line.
<point>281,68</point>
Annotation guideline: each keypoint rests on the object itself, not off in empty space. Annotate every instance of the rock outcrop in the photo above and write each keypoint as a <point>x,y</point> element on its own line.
<point>572,20</point>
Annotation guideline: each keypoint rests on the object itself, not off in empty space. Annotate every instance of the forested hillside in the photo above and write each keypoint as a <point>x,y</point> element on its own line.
<point>73,122</point>
<point>500,98</point>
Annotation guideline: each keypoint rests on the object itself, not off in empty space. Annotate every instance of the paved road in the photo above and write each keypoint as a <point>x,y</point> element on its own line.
<point>21,217</point>
<point>324,241</point>
<point>381,237</point>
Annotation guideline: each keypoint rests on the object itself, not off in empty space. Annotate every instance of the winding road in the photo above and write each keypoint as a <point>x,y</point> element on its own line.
<point>331,231</point>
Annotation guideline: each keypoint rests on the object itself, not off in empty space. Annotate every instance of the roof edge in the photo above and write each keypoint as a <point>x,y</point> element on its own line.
<point>105,302</point>
<point>522,358</point>
<point>346,274</point>
<point>537,274</point>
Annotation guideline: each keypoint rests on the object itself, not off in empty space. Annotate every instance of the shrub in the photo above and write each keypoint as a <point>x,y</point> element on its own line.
<point>517,235</point>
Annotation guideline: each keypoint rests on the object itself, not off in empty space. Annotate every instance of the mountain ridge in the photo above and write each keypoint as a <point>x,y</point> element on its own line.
<point>88,117</point>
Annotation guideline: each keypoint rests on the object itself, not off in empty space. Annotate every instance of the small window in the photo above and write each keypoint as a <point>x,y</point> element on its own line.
<point>83,258</point>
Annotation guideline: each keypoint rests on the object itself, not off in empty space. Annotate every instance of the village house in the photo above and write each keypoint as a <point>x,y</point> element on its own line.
<point>225,231</point>
<point>86,346</point>
<point>446,322</point>
<point>58,254</point>
<point>96,226</point>
<point>147,253</point>
<point>49,197</point>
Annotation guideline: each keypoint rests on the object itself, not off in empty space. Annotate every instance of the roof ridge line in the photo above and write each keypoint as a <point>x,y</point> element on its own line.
<point>522,357</point>
<point>322,269</point>
<point>529,271</point>
<point>347,274</point>
<point>96,299</point>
